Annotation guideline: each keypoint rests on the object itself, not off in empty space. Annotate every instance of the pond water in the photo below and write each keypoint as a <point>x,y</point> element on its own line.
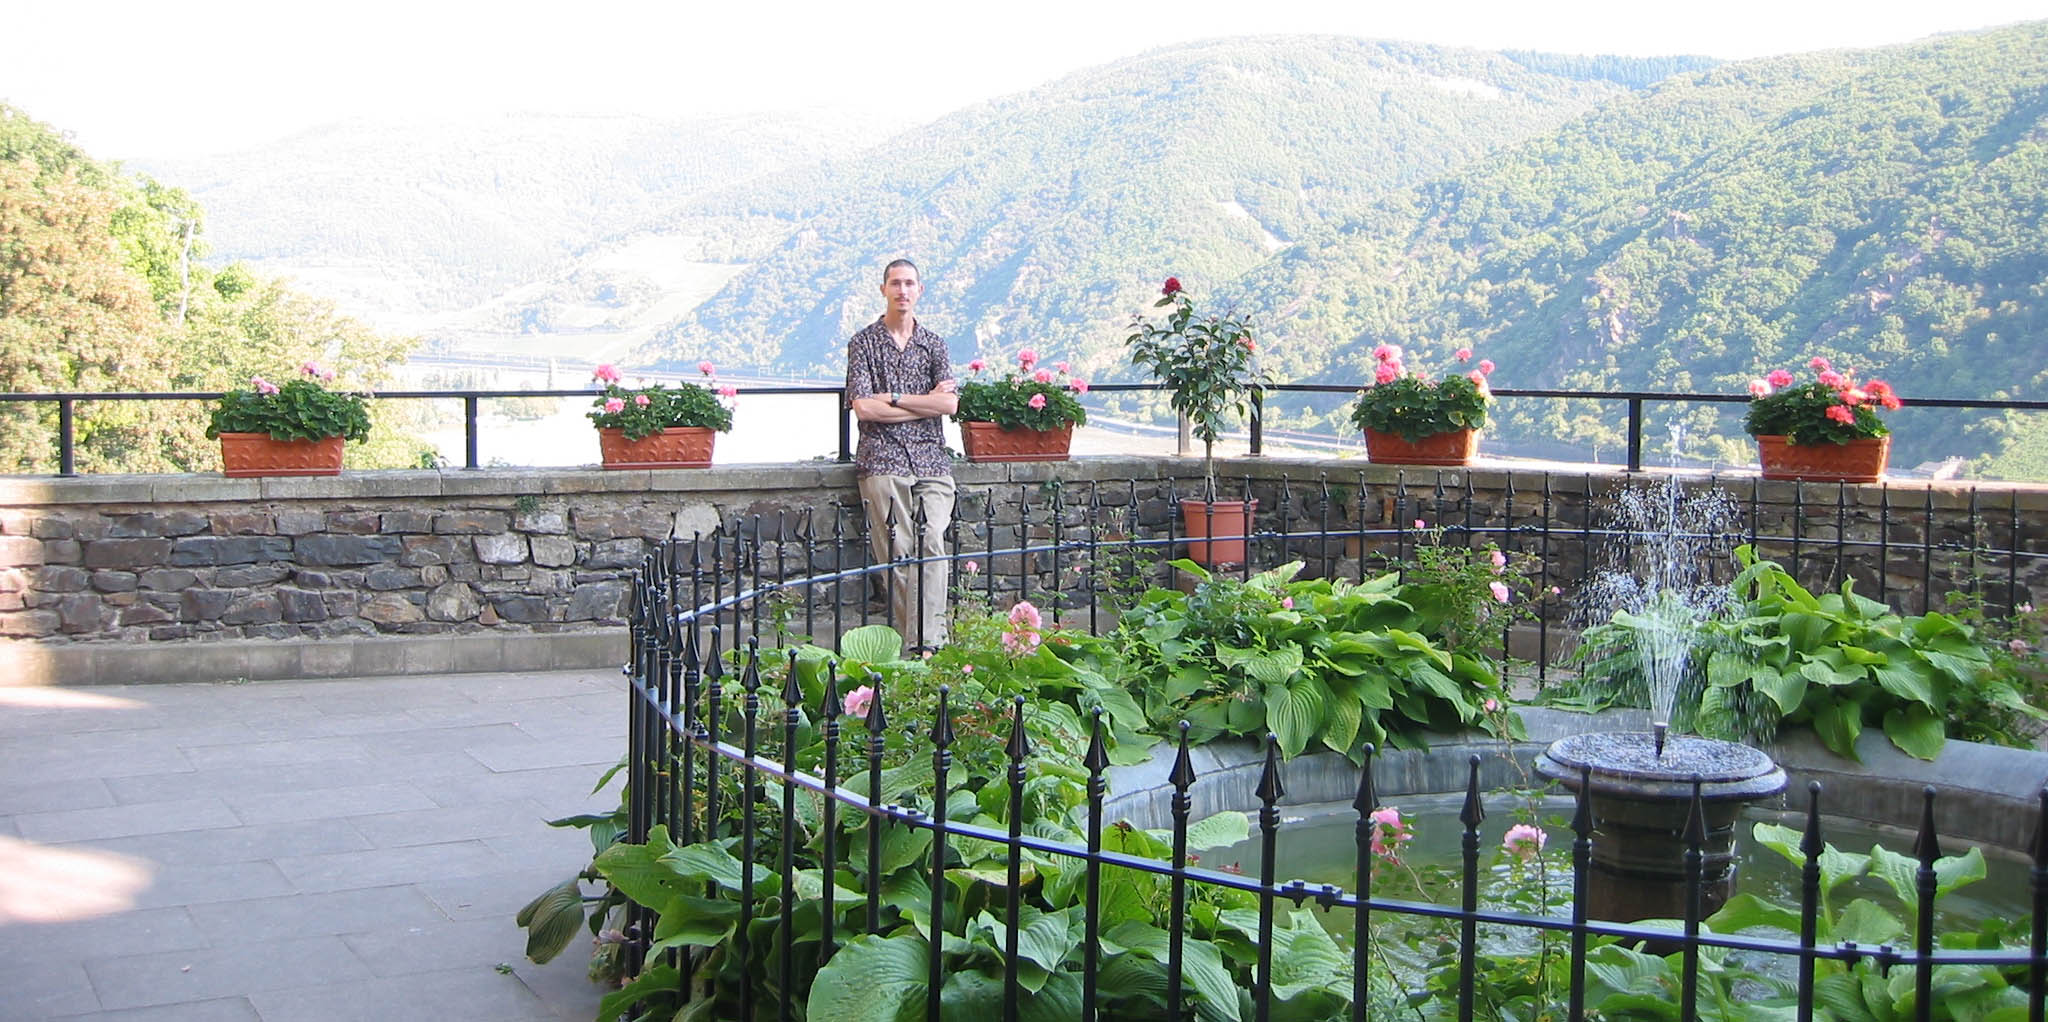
<point>1317,843</point>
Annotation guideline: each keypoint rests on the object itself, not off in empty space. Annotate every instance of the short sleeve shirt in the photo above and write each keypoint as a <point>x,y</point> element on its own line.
<point>875,366</point>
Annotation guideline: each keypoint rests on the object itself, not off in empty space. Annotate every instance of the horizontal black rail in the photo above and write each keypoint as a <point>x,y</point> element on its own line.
<point>1636,402</point>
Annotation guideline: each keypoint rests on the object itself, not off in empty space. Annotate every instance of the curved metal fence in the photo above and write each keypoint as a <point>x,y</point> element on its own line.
<point>710,764</point>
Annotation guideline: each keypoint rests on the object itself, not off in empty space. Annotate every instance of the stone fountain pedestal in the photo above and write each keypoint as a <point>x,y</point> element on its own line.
<point>1640,803</point>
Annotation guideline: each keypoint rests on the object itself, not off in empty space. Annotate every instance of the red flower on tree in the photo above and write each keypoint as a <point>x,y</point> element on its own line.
<point>1172,287</point>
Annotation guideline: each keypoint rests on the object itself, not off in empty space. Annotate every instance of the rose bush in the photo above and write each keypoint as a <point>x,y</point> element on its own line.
<point>643,411</point>
<point>1207,364</point>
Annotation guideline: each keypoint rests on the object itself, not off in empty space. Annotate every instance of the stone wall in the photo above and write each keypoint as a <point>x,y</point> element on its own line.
<point>123,578</point>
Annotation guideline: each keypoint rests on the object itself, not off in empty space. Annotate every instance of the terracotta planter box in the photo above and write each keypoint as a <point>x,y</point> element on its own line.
<point>245,455</point>
<point>676,447</point>
<point>1453,448</point>
<point>986,441</point>
<point>1201,519</point>
<point>1861,460</point>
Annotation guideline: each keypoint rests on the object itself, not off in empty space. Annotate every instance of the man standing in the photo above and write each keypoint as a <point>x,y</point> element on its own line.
<point>899,382</point>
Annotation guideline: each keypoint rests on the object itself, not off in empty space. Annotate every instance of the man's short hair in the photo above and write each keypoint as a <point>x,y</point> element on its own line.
<point>893,263</point>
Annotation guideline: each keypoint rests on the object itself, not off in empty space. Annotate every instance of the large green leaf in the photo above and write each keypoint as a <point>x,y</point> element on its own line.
<point>1059,1000</point>
<point>705,861</point>
<point>552,920</point>
<point>1295,713</point>
<point>1266,666</point>
<point>871,644</point>
<point>1217,831</point>
<point>1866,922</point>
<point>638,872</point>
<point>1909,681</point>
<point>1838,722</point>
<point>1808,632</point>
<point>1746,910</point>
<point>871,979</point>
<point>1201,966</point>
<point>702,922</point>
<point>657,979</point>
<point>1341,724</point>
<point>1915,730</point>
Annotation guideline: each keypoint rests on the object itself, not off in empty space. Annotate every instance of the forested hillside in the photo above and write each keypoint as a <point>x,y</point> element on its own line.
<point>405,221</point>
<point>104,286</point>
<point>1884,209</point>
<point>1046,218</point>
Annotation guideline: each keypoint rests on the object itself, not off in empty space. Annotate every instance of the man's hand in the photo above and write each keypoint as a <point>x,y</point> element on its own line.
<point>945,387</point>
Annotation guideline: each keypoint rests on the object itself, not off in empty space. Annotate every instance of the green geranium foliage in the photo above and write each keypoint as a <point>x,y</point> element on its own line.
<point>299,409</point>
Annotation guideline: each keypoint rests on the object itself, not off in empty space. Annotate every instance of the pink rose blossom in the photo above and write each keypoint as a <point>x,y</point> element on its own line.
<point>1523,841</point>
<point>1420,524</point>
<point>641,400</point>
<point>1027,358</point>
<point>728,391</point>
<point>1499,590</point>
<point>605,373</point>
<point>1500,560</point>
<point>1042,376</point>
<point>2024,608</point>
<point>1026,615</point>
<point>1759,388</point>
<point>614,405</point>
<point>1491,706</point>
<point>858,700</point>
<point>1079,386</point>
<point>1486,367</point>
<point>1389,832</point>
<point>1842,414</point>
<point>704,367</point>
<point>1555,590</point>
<point>977,365</point>
<point>1037,401</point>
<point>1779,378</point>
<point>1819,363</point>
<point>1287,602</point>
<point>1462,354</point>
<point>971,567</point>
<point>262,386</point>
<point>966,668</point>
<point>2017,645</point>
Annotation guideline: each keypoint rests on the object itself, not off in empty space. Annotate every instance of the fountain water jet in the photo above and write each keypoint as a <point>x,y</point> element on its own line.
<point>1642,784</point>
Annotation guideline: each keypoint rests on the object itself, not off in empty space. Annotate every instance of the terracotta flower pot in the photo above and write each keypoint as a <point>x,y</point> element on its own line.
<point>1202,519</point>
<point>1453,448</point>
<point>245,455</point>
<point>986,441</point>
<point>1861,460</point>
<point>675,447</point>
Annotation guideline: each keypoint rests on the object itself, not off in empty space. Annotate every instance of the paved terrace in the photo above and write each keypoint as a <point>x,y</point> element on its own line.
<point>296,851</point>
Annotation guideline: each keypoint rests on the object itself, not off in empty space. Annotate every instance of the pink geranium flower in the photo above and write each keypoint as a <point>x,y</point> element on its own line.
<point>1486,367</point>
<point>605,373</point>
<point>1028,357</point>
<point>1759,388</point>
<point>1820,363</point>
<point>704,367</point>
<point>1779,378</point>
<point>1079,386</point>
<point>1830,378</point>
<point>1386,372</point>
<point>977,365</point>
<point>641,400</point>
<point>1037,401</point>
<point>728,391</point>
<point>262,386</point>
<point>1061,366</point>
<point>1842,414</point>
<point>1462,354</point>
<point>1042,376</point>
<point>858,700</point>
<point>614,405</point>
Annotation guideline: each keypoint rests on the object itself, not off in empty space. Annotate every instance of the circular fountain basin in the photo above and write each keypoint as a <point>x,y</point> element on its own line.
<point>1627,765</point>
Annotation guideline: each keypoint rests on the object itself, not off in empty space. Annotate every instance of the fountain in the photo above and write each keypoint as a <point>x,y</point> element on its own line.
<point>1643,782</point>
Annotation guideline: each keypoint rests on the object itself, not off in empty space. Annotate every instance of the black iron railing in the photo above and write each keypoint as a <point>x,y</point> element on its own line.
<point>1635,403</point>
<point>709,741</point>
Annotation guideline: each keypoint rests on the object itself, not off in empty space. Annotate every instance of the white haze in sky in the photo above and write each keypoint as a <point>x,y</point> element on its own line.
<point>131,79</point>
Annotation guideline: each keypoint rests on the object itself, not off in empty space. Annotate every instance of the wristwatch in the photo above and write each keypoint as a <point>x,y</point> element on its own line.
<point>894,399</point>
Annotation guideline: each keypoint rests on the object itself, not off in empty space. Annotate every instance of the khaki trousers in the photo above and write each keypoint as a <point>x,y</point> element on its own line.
<point>896,505</point>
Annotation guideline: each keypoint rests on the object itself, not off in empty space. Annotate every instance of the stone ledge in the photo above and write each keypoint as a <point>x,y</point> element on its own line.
<point>273,660</point>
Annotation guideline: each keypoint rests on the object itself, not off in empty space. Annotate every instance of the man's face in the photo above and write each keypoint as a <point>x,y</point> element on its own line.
<point>902,289</point>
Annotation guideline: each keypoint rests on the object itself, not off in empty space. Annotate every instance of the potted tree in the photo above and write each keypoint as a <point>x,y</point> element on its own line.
<point>293,429</point>
<point>654,426</point>
<point>1207,365</point>
<point>1027,415</point>
<point>1409,420</point>
<point>1826,430</point>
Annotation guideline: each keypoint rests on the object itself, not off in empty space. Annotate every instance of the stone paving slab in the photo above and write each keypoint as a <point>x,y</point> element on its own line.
<point>300,850</point>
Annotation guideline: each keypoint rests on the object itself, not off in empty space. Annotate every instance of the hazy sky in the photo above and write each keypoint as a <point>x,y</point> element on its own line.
<point>132,79</point>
